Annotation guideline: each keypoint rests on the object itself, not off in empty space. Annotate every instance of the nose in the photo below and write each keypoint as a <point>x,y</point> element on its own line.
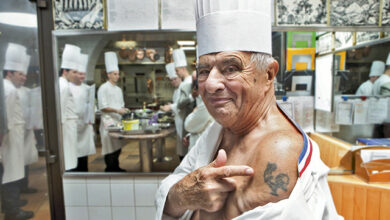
<point>215,81</point>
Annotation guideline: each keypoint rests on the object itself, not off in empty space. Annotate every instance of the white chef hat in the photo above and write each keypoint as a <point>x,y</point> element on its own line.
<point>83,63</point>
<point>233,25</point>
<point>388,60</point>
<point>70,57</point>
<point>26,63</point>
<point>377,68</point>
<point>111,61</point>
<point>179,58</point>
<point>171,71</point>
<point>15,58</point>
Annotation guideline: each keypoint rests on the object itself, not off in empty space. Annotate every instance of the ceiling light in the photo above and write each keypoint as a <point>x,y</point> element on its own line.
<point>186,42</point>
<point>19,19</point>
<point>188,48</point>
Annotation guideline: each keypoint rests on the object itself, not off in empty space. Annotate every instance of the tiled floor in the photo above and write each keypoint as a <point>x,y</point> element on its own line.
<point>129,160</point>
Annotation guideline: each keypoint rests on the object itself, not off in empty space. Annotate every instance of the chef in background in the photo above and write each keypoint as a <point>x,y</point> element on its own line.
<point>183,105</point>
<point>68,73</point>
<point>366,88</point>
<point>12,146</point>
<point>30,149</point>
<point>85,135</point>
<point>199,119</point>
<point>379,84</point>
<point>112,106</point>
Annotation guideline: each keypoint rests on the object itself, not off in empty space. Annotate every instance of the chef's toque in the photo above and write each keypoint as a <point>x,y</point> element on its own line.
<point>15,58</point>
<point>377,68</point>
<point>70,57</point>
<point>111,61</point>
<point>83,63</point>
<point>233,25</point>
<point>179,58</point>
<point>171,71</point>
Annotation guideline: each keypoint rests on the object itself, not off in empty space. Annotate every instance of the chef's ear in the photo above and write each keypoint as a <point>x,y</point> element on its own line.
<point>272,70</point>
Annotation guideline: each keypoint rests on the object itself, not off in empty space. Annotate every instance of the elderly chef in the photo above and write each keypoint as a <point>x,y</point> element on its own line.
<point>182,107</point>
<point>30,149</point>
<point>85,135</point>
<point>254,162</point>
<point>383,79</point>
<point>12,147</point>
<point>377,69</point>
<point>112,106</point>
<point>68,72</point>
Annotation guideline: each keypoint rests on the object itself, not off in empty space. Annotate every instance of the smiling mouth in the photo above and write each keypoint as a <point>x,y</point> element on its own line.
<point>219,101</point>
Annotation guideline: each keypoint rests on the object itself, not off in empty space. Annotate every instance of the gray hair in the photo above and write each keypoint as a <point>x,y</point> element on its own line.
<point>261,60</point>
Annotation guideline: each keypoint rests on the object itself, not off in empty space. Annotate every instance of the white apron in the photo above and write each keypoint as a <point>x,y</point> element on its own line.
<point>85,134</point>
<point>111,96</point>
<point>69,125</point>
<point>12,147</point>
<point>30,149</point>
<point>181,93</point>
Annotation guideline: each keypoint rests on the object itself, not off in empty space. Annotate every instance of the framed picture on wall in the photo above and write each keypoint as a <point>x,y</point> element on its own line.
<point>78,14</point>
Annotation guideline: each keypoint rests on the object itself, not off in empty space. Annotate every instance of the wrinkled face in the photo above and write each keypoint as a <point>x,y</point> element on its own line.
<point>175,82</point>
<point>113,76</point>
<point>17,78</point>
<point>231,87</point>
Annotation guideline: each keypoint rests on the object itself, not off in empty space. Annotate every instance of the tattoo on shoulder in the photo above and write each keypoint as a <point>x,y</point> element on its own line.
<point>280,181</point>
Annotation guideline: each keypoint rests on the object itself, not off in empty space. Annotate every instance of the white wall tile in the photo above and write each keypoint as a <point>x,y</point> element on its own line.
<point>98,179</point>
<point>122,194</point>
<point>99,213</point>
<point>144,194</point>
<point>74,179</point>
<point>123,213</point>
<point>122,180</point>
<point>75,194</point>
<point>76,213</point>
<point>99,195</point>
<point>143,213</point>
<point>145,179</point>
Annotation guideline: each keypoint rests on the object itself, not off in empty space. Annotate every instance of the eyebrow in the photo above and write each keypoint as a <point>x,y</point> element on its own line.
<point>203,65</point>
<point>231,60</point>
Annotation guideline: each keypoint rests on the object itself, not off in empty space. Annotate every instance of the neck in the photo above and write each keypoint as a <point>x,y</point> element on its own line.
<point>257,115</point>
<point>112,82</point>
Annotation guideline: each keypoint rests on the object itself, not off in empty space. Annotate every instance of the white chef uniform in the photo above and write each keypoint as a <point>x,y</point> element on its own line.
<point>30,149</point>
<point>85,134</point>
<point>181,106</point>
<point>12,147</point>
<point>310,198</point>
<point>377,69</point>
<point>111,96</point>
<point>197,121</point>
<point>69,117</point>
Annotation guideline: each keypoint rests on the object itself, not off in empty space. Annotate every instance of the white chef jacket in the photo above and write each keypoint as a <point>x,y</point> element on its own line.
<point>111,96</point>
<point>30,149</point>
<point>365,89</point>
<point>85,134</point>
<point>12,147</point>
<point>69,124</point>
<point>310,198</point>
<point>197,121</point>
<point>379,82</point>
<point>180,95</point>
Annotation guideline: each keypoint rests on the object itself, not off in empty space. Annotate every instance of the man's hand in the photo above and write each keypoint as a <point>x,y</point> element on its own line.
<point>205,188</point>
<point>122,111</point>
<point>165,108</point>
